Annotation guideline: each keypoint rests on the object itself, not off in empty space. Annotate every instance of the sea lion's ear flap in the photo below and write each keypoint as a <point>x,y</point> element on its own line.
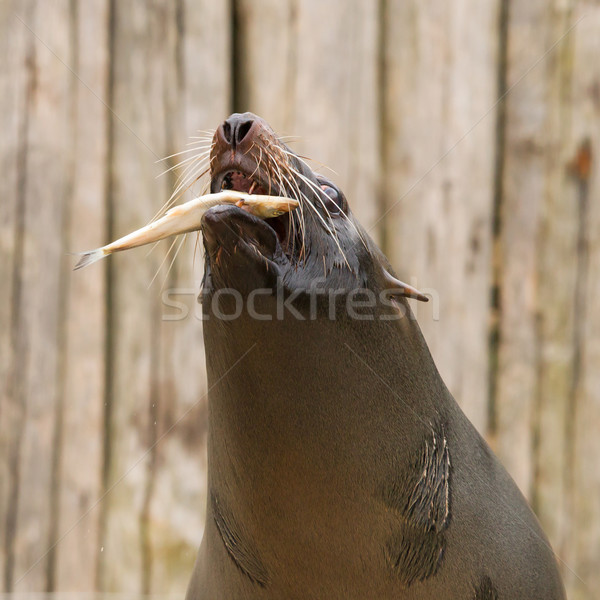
<point>395,287</point>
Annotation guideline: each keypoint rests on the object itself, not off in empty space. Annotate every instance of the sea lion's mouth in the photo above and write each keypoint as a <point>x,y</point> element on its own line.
<point>240,181</point>
<point>252,182</point>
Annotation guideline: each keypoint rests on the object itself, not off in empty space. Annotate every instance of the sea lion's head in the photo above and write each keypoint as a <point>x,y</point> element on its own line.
<point>319,245</point>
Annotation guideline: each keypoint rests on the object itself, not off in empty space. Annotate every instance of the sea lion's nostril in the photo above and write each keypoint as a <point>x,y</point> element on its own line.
<point>235,130</point>
<point>226,127</point>
<point>242,130</point>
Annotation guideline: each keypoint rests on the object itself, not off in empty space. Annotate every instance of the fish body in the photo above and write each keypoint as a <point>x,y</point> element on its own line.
<point>186,217</point>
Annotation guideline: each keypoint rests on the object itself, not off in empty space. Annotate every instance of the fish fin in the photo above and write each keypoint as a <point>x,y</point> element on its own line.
<point>87,258</point>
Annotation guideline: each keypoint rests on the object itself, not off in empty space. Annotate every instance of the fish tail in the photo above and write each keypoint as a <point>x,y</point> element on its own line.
<point>87,258</point>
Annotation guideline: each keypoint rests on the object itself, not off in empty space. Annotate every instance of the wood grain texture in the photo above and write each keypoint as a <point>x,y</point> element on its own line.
<point>584,506</point>
<point>440,76</point>
<point>46,190</point>
<point>556,255</point>
<point>80,455</point>
<point>523,194</point>
<point>15,83</point>
<point>545,404</point>
<point>537,251</point>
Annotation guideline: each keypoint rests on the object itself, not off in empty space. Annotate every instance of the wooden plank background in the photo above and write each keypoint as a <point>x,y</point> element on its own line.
<point>466,137</point>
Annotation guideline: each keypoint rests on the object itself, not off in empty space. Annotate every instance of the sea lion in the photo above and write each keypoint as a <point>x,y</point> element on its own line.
<point>339,464</point>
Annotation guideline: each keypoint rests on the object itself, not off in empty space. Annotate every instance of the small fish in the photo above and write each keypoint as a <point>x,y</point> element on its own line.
<point>186,217</point>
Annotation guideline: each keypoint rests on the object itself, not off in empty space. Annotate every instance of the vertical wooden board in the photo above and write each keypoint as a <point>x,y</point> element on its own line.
<point>46,193</point>
<point>14,42</point>
<point>177,505</point>
<point>336,99</point>
<point>205,40</point>
<point>336,105</point>
<point>524,189</point>
<point>539,234</point>
<point>141,72</point>
<point>266,35</point>
<point>584,556</point>
<point>266,60</point>
<point>440,71</point>
<point>82,430</point>
<point>316,78</point>
<point>557,268</point>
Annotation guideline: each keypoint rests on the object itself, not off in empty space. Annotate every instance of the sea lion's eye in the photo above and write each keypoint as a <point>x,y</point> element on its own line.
<point>331,200</point>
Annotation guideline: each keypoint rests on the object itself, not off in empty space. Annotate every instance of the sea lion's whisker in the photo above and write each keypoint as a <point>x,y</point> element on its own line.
<point>177,194</point>
<point>249,150</point>
<point>196,162</point>
<point>293,173</point>
<point>295,190</point>
<point>303,216</point>
<point>185,186</point>
<point>331,230</point>
<point>190,173</point>
<point>303,159</point>
<point>181,163</point>
<point>201,157</point>
<point>316,189</point>
<point>174,196</point>
<point>162,262</point>
<point>320,193</point>
<point>258,163</point>
<point>195,251</point>
<point>198,153</point>
<point>298,196</point>
<point>173,261</point>
<point>182,152</point>
<point>291,220</point>
<point>272,168</point>
<point>269,178</point>
<point>152,248</point>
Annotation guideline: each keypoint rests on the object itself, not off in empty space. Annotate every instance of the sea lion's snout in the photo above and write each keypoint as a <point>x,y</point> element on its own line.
<point>246,156</point>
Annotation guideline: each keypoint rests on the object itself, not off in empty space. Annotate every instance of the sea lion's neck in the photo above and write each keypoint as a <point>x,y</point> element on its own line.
<point>284,395</point>
<point>308,422</point>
